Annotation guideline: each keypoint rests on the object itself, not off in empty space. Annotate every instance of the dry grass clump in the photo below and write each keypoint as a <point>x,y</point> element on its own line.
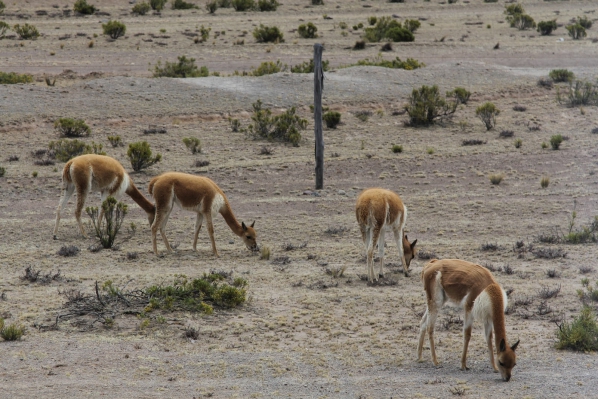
<point>68,250</point>
<point>544,182</point>
<point>35,276</point>
<point>496,179</point>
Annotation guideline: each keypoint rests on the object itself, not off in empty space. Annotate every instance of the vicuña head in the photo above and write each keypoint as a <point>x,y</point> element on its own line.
<point>473,288</point>
<point>198,194</point>
<point>376,210</point>
<point>92,173</point>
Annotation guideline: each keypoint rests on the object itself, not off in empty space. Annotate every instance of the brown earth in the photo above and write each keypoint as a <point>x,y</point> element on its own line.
<point>303,333</point>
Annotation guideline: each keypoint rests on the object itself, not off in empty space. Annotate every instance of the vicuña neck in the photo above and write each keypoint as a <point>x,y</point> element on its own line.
<point>229,217</point>
<point>498,318</point>
<point>140,199</point>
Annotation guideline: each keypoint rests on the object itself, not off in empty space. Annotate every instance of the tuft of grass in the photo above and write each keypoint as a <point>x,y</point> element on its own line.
<point>332,119</point>
<point>585,269</point>
<point>114,29</point>
<point>359,45</point>
<point>69,127</point>
<point>472,142</point>
<point>268,34</point>
<point>114,214</point>
<point>489,247</point>
<point>409,64</point>
<point>555,141</point>
<point>430,150</point>
<point>13,332</point>
<point>544,181</point>
<point>193,144</point>
<point>140,156</point>
<point>506,134</point>
<point>191,333</point>
<point>265,253</point>
<point>496,179</point>
<point>553,273</point>
<point>519,108</point>
<point>487,113</point>
<point>363,115</point>
<point>518,143</point>
<point>397,149</point>
<point>115,141</point>
<point>184,68</point>
<point>547,292</point>
<point>561,75</point>
<point>68,251</point>
<point>9,78</point>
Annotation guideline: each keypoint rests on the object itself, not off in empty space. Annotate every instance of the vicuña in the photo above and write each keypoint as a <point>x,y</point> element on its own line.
<point>473,288</point>
<point>93,173</point>
<point>376,210</point>
<point>200,195</point>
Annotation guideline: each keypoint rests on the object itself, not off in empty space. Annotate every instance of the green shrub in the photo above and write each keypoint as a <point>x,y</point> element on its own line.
<point>381,29</point>
<point>308,31</point>
<point>13,332</point>
<point>266,34</point>
<point>411,25</point>
<point>115,141</point>
<point>182,5</point>
<point>576,31</point>
<point>113,214</point>
<point>225,3</point>
<point>332,119</point>
<point>584,22</point>
<point>580,93</point>
<point>184,68</point>
<point>268,68</point>
<point>9,78</point>
<point>244,5</point>
<point>69,127</point>
<point>518,143</point>
<point>359,45</point>
<point>372,20</point>
<point>409,64</point>
<point>2,7</point>
<point>397,148</point>
<point>546,27</point>
<point>426,105</point>
<point>487,113</point>
<point>26,31</point>
<point>399,35</point>
<point>141,8</point>
<point>193,144</point>
<point>4,27</point>
<point>544,182</point>
<point>561,75</point>
<point>522,22</point>
<point>114,29</point>
<point>2,171</point>
<point>284,127</point>
<point>267,5</point>
<point>308,66</point>
<point>205,33</point>
<point>235,125</point>
<point>581,334</point>
<point>513,9</point>
<point>212,6</point>
<point>555,141</point>
<point>82,7</point>
<point>157,5</point>
<point>65,149</point>
<point>227,296</point>
<point>460,94</point>
<point>140,156</point>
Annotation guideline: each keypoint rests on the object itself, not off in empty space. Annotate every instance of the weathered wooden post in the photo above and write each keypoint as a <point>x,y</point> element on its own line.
<point>318,87</point>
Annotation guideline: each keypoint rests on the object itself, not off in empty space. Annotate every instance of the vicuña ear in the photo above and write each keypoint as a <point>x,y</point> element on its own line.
<point>253,223</point>
<point>413,244</point>
<point>515,346</point>
<point>243,225</point>
<point>502,346</point>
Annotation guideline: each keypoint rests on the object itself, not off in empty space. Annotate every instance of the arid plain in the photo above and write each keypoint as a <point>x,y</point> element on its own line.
<point>302,332</point>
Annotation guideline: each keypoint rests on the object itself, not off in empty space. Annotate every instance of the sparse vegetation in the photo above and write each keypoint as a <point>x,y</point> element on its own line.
<point>182,5</point>
<point>114,214</point>
<point>409,64</point>
<point>4,27</point>
<point>184,68</point>
<point>426,105</point>
<point>268,34</point>
<point>580,93</point>
<point>12,332</point>
<point>585,22</point>
<point>472,142</point>
<point>8,78</point>
<point>141,8</point>
<point>65,149</point>
<point>68,250</point>
<point>193,144</point>
<point>157,5</point>
<point>581,334</point>
<point>388,28</point>
<point>332,119</point>
<point>267,5</point>
<point>555,141</point>
<point>268,68</point>
<point>284,127</point>
<point>140,156</point>
<point>82,7</point>
<point>359,45</point>
<point>265,253</point>
<point>487,113</point>
<point>212,6</point>
<point>546,83</point>
<point>114,29</point>
<point>69,127</point>
<point>396,148</point>
<point>547,27</point>
<point>307,31</point>
<point>460,94</point>
<point>115,141</point>
<point>244,5</point>
<point>576,31</point>
<point>308,66</point>
<point>496,179</point>
<point>544,182</point>
<point>26,31</point>
<point>235,125</point>
<point>518,143</point>
<point>561,75</point>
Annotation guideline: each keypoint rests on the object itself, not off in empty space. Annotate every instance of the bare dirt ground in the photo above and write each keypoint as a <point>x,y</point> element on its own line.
<point>303,333</point>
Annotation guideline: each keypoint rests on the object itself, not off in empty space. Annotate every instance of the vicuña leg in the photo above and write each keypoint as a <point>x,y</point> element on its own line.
<point>160,221</point>
<point>488,334</point>
<point>198,223</point>
<point>467,325</point>
<point>423,327</point>
<point>430,326</point>
<point>210,227</point>
<point>66,195</point>
<point>81,196</point>
<point>398,234</point>
<point>381,253</point>
<point>375,234</point>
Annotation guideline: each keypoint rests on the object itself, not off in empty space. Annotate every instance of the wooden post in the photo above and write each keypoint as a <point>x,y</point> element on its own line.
<point>318,87</point>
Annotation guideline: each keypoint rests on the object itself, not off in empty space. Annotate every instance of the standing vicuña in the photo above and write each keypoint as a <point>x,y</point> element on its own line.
<point>472,287</point>
<point>93,173</point>
<point>197,194</point>
<point>377,209</point>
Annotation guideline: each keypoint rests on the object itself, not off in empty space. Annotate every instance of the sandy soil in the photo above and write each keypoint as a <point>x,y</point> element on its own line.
<point>294,337</point>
